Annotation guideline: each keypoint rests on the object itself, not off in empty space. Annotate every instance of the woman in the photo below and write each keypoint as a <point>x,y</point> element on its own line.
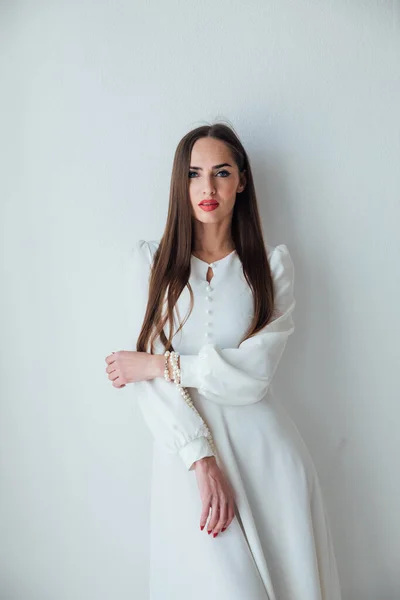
<point>214,293</point>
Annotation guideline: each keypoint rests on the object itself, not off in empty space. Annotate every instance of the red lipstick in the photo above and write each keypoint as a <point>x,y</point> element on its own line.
<point>208,204</point>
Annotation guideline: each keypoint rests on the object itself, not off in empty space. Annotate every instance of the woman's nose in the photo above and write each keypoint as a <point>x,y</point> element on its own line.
<point>209,187</point>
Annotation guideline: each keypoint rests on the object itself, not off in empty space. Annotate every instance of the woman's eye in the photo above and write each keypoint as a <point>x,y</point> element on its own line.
<point>224,173</point>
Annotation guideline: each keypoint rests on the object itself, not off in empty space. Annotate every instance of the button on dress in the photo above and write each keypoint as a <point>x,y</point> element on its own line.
<point>279,545</point>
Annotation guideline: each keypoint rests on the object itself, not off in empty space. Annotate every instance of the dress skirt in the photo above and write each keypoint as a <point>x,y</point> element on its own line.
<point>278,546</point>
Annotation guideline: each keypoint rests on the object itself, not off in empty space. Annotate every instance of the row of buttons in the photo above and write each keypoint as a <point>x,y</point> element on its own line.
<point>209,289</point>
<point>208,299</point>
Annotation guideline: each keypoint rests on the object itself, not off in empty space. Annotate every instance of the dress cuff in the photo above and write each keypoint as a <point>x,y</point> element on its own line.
<point>194,450</point>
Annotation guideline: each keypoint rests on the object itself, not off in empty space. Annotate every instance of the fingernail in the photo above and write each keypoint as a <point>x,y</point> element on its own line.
<point>202,527</point>
<point>209,531</point>
<point>215,534</point>
<point>223,529</point>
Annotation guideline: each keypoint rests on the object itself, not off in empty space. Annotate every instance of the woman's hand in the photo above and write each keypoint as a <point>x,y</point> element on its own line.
<point>128,366</point>
<point>216,494</point>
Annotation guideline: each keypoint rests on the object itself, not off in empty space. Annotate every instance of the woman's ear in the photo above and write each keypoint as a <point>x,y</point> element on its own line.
<point>242,183</point>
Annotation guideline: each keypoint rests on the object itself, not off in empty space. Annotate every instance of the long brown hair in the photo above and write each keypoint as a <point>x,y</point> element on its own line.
<point>170,270</point>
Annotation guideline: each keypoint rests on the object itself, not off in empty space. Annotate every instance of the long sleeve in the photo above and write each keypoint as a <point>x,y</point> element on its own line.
<point>240,376</point>
<point>171,421</point>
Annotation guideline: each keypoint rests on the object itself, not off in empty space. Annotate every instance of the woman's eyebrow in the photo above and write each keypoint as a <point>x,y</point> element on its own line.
<point>214,167</point>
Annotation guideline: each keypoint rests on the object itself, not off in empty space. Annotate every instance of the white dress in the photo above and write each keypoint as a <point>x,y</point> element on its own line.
<point>279,545</point>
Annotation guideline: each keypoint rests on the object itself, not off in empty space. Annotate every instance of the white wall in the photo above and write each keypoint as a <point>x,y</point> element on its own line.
<point>95,97</point>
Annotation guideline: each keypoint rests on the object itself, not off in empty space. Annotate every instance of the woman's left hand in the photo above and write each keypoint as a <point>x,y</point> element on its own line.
<point>128,366</point>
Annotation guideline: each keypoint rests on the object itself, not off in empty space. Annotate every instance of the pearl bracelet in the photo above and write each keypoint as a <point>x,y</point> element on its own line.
<point>176,373</point>
<point>166,370</point>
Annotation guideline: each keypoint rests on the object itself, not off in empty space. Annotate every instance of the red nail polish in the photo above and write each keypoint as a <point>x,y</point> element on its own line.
<point>223,529</point>
<point>202,527</point>
<point>215,534</point>
<point>209,531</point>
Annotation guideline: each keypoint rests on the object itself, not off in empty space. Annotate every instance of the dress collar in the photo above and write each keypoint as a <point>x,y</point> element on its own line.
<point>200,267</point>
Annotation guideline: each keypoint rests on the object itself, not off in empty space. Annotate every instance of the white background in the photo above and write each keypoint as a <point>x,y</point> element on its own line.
<point>95,97</point>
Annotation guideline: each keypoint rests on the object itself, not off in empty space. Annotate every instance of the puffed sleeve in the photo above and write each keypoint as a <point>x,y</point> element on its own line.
<point>239,376</point>
<point>171,421</point>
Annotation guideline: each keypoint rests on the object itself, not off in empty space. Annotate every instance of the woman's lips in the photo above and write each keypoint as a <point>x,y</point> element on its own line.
<point>207,207</point>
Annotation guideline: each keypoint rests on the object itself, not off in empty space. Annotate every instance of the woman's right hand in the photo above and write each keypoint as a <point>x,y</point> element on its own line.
<point>216,494</point>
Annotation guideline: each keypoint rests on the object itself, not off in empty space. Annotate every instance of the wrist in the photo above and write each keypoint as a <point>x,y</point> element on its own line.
<point>204,463</point>
<point>157,366</point>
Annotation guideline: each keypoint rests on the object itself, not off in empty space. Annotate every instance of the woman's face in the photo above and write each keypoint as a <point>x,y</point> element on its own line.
<point>214,176</point>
